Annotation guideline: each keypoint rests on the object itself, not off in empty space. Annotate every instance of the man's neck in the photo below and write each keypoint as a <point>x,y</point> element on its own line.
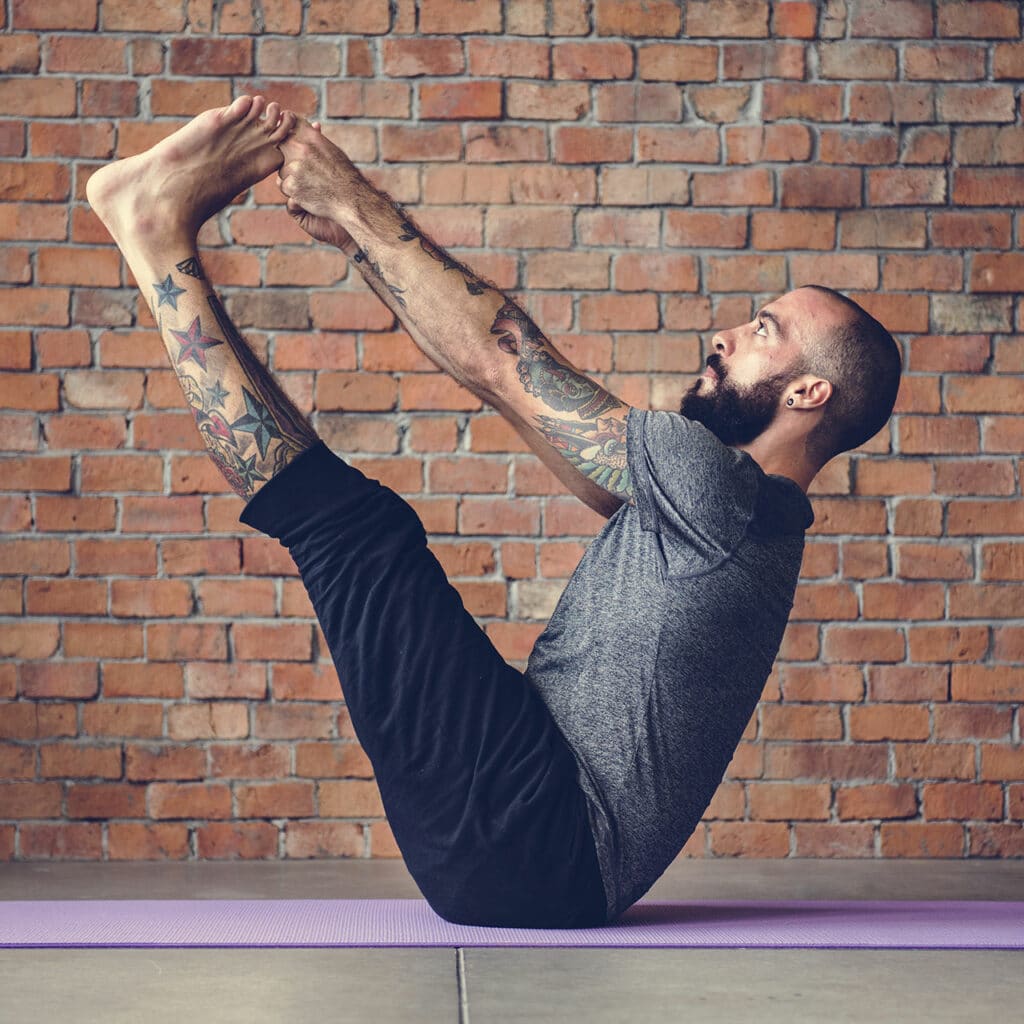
<point>777,460</point>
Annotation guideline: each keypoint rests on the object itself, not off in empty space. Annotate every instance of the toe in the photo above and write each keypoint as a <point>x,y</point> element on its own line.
<point>237,110</point>
<point>258,105</point>
<point>272,115</point>
<point>284,128</point>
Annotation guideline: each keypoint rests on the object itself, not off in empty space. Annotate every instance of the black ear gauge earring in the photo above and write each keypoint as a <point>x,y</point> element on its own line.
<point>789,401</point>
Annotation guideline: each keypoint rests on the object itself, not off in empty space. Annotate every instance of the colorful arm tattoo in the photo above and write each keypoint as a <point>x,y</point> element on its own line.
<point>594,443</point>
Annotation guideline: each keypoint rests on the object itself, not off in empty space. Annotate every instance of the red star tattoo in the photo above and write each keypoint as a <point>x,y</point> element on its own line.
<point>194,344</point>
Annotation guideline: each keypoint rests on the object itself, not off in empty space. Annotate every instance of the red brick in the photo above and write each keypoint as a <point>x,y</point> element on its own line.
<point>398,142</point>
<point>301,57</point>
<point>619,312</point>
<point>592,61</point>
<point>835,270</point>
<point>435,391</point>
<point>747,187</point>
<point>892,18</point>
<point>997,272</point>
<point>764,60</point>
<point>110,98</point>
<point>155,16</point>
<point>960,103</point>
<point>677,145</point>
<point>939,435</point>
<point>655,271</point>
<point>191,98</point>
<point>646,19</point>
<point>984,187</point>
<point>800,723</point>
<point>71,513</point>
<point>962,800</point>
<point>131,557</point>
<point>678,62</point>
<point>509,58</point>
<point>900,103</point>
<point>442,16</point>
<point>33,220</point>
<point>944,62</point>
<point>860,61</point>
<point>823,187</point>
<point>460,100</point>
<point>413,57</point>
<point>797,19</point>
<point>199,56</point>
<point>857,146</point>
<point>796,230</point>
<point>1008,60</point>
<point>863,643</point>
<point>918,841</point>
<point>992,684</point>
<point>767,143</point>
<point>371,17</point>
<point>64,15</point>
<point>19,54</point>
<point>729,18</point>
<point>745,273</point>
<point>921,273</point>
<point>980,19</point>
<point>808,101</point>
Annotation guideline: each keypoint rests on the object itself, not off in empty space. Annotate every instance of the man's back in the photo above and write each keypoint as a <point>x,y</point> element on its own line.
<point>659,649</point>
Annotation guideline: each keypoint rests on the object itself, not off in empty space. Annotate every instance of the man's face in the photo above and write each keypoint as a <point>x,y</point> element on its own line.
<point>741,393</point>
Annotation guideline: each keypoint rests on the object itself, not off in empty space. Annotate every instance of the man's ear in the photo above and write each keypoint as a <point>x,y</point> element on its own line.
<point>811,392</point>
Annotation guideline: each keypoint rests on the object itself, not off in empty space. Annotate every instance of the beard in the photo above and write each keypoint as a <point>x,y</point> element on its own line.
<point>736,417</point>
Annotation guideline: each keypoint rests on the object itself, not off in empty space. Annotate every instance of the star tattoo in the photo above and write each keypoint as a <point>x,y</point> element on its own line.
<point>194,344</point>
<point>168,292</point>
<point>257,421</point>
<point>248,472</point>
<point>216,394</point>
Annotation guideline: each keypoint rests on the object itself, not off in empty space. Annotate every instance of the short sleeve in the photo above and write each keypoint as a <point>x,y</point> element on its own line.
<point>696,493</point>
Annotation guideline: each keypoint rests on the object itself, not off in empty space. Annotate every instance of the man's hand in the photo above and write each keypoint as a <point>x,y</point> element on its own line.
<point>313,177</point>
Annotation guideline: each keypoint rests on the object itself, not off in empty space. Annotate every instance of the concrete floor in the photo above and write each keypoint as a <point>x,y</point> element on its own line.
<point>474,986</point>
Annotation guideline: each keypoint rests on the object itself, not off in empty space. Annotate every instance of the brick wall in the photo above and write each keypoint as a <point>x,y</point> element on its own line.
<point>634,171</point>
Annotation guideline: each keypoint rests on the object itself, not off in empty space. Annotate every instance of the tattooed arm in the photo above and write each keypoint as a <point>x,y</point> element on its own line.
<point>465,325</point>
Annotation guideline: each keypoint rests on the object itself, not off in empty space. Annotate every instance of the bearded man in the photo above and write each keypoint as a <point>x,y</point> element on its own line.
<point>557,796</point>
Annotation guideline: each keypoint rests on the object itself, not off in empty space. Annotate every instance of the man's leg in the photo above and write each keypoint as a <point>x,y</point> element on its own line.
<point>478,783</point>
<point>154,205</point>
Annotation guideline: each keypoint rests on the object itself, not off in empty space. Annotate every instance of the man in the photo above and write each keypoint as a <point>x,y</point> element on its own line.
<point>553,798</point>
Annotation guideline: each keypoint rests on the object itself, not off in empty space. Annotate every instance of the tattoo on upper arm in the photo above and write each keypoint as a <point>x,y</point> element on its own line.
<point>594,443</point>
<point>596,448</point>
<point>541,374</point>
<point>412,233</point>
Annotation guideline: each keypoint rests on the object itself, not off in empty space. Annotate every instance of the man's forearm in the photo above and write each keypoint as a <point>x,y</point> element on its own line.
<point>456,365</point>
<point>446,308</point>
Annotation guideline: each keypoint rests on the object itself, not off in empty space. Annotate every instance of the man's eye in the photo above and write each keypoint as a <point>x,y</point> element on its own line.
<point>761,327</point>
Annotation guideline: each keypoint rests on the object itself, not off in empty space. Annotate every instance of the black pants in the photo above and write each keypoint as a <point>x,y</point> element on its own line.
<point>479,785</point>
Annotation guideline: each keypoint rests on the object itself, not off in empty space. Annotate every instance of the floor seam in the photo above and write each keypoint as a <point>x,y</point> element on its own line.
<point>460,971</point>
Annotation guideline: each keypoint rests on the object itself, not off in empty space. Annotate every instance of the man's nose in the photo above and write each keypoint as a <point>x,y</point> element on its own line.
<point>723,343</point>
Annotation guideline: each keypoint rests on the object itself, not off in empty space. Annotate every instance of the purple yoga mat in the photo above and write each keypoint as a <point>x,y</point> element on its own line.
<point>282,923</point>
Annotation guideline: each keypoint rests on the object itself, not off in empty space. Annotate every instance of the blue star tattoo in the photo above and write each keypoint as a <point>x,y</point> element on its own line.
<point>246,469</point>
<point>257,421</point>
<point>216,394</point>
<point>168,292</point>
<point>194,343</point>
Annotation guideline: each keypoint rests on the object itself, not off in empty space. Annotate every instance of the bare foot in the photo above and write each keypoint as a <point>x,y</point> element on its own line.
<point>165,194</point>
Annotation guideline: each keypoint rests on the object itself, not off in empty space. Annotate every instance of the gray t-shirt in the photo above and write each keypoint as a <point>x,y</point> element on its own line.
<point>659,649</point>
